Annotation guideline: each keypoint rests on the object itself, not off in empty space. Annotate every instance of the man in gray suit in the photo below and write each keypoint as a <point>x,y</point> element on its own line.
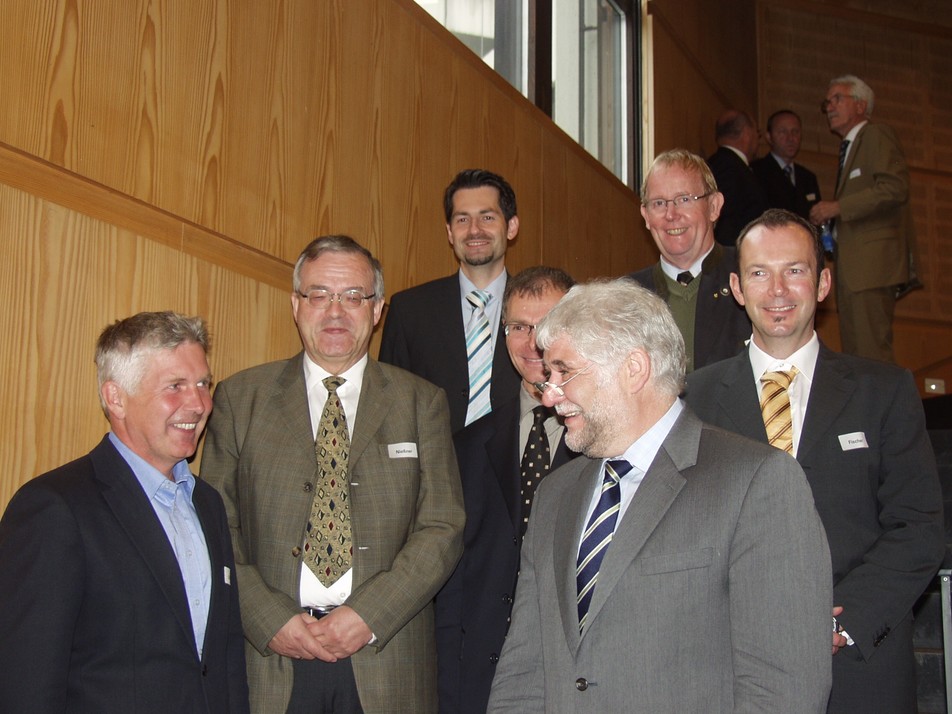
<point>677,568</point>
<point>858,430</point>
<point>344,503</point>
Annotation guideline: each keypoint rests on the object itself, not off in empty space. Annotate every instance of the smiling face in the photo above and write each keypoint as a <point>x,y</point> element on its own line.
<point>525,356</point>
<point>336,337</point>
<point>478,230</point>
<point>683,234</point>
<point>779,287</point>
<point>162,418</point>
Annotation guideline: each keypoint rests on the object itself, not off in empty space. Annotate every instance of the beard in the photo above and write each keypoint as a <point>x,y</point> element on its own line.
<point>600,429</point>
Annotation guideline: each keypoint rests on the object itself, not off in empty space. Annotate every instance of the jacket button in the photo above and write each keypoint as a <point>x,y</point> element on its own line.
<point>581,684</point>
<point>507,598</point>
<point>204,670</point>
<point>494,658</point>
<point>296,551</point>
<point>308,487</point>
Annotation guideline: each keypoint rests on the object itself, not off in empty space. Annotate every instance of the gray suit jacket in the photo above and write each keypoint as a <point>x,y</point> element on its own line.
<point>714,594</point>
<point>407,519</point>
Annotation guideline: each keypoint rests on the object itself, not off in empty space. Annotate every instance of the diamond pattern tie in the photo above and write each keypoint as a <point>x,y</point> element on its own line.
<point>598,535</point>
<point>479,354</point>
<point>788,172</point>
<point>775,407</point>
<point>328,548</point>
<point>536,460</point>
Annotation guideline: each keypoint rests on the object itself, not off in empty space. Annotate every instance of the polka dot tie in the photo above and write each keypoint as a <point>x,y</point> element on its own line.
<point>536,460</point>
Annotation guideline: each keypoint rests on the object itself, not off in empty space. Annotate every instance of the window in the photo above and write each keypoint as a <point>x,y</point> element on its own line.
<point>579,69</point>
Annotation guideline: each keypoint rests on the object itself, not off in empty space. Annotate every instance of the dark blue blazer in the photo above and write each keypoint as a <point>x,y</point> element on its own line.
<point>780,193</point>
<point>473,608</point>
<point>744,199</point>
<point>94,616</point>
<point>424,334</point>
<point>880,504</point>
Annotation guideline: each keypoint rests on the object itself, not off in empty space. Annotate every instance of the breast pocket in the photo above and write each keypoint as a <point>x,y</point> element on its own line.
<point>676,562</point>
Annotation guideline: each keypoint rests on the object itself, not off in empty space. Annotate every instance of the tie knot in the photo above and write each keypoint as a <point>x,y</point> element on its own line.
<point>781,377</point>
<point>616,469</point>
<point>478,299</point>
<point>540,414</point>
<point>685,277</point>
<point>333,382</point>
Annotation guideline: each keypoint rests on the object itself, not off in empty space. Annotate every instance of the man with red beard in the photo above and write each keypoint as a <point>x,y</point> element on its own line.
<point>449,330</point>
<point>673,567</point>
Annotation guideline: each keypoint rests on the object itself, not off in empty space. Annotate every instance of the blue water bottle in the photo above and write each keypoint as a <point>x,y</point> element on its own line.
<point>826,236</point>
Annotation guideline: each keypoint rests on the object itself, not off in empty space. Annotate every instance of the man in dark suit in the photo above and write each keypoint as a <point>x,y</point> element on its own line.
<point>857,428</point>
<point>673,568</point>
<point>116,571</point>
<point>744,200</point>
<point>873,220</point>
<point>680,203</point>
<point>786,184</point>
<point>501,457</point>
<point>344,503</point>
<point>427,326</point>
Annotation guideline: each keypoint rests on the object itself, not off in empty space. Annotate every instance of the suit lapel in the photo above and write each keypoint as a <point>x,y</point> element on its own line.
<point>215,547</point>
<point>131,508</point>
<point>830,393</point>
<point>372,409</point>
<point>737,387</point>
<point>290,405</point>
<point>854,148</point>
<point>502,450</point>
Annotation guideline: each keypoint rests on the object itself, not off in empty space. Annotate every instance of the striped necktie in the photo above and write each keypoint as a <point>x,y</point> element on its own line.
<point>775,407</point>
<point>844,146</point>
<point>479,355</point>
<point>598,535</point>
<point>788,172</point>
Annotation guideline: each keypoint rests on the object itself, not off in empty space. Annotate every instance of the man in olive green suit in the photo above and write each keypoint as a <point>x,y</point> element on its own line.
<point>365,641</point>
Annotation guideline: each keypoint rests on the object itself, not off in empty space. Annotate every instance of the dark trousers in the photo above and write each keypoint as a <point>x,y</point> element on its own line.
<point>324,688</point>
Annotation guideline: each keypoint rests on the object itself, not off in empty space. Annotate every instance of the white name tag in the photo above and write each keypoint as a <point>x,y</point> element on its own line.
<point>855,173</point>
<point>856,440</point>
<point>227,575</point>
<point>811,196</point>
<point>404,450</point>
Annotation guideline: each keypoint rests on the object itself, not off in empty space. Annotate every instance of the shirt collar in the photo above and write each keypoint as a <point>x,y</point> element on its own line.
<point>642,453</point>
<point>740,153</point>
<point>672,271</point>
<point>851,136</point>
<point>804,359</point>
<point>781,162</point>
<point>149,477</point>
<point>496,288</point>
<point>314,373</point>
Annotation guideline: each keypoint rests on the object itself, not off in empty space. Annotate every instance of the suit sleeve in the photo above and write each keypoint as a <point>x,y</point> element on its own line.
<point>881,590</point>
<point>390,598</point>
<point>40,583</point>
<point>882,158</point>
<point>780,595</point>
<point>393,341</point>
<point>519,683</point>
<point>264,610</point>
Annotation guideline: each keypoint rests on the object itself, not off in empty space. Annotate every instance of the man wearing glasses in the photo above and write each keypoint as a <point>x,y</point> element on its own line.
<point>872,220</point>
<point>502,458</point>
<point>674,567</point>
<point>680,204</point>
<point>344,503</point>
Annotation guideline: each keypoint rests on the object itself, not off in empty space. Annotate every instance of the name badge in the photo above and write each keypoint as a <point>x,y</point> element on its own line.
<point>855,173</point>
<point>404,450</point>
<point>856,440</point>
<point>227,575</point>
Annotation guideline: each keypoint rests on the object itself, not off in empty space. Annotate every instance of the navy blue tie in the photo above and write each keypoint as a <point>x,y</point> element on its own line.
<point>598,535</point>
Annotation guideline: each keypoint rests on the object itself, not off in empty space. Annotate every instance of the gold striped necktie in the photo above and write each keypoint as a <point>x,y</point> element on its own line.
<point>775,407</point>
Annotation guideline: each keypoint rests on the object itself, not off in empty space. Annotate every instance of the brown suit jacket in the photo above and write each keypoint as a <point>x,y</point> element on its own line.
<point>407,518</point>
<point>875,228</point>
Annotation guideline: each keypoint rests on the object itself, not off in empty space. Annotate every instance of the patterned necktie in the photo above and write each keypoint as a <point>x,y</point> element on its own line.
<point>328,548</point>
<point>535,461</point>
<point>844,145</point>
<point>598,535</point>
<point>788,172</point>
<point>775,407</point>
<point>479,354</point>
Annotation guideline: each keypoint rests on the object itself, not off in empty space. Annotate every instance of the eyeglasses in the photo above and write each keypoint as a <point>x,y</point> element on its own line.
<point>518,329</point>
<point>835,99</point>
<point>660,205</point>
<point>543,386</point>
<point>321,299</point>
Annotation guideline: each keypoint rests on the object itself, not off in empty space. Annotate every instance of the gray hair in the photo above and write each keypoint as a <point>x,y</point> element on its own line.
<point>859,90</point>
<point>338,244</point>
<point>682,159</point>
<point>606,319</point>
<point>123,346</point>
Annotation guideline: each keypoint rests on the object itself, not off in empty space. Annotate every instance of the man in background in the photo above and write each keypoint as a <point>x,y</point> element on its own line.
<point>857,428</point>
<point>344,504</point>
<point>786,184</point>
<point>116,571</point>
<point>872,220</point>
<point>737,139</point>
<point>680,204</point>
<point>448,330</point>
<point>502,458</point>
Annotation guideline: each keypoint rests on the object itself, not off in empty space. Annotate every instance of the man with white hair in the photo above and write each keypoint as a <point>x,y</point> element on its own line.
<point>673,567</point>
<point>872,218</point>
